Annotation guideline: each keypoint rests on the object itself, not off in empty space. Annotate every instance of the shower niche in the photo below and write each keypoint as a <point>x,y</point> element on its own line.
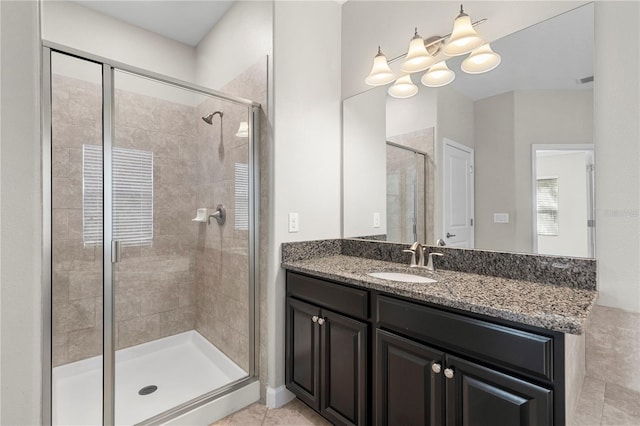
<point>152,313</point>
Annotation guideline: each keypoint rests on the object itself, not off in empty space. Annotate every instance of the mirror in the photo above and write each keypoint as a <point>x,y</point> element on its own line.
<point>470,164</point>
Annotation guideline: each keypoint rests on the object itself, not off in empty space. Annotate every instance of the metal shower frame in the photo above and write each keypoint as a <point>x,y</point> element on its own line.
<point>108,370</point>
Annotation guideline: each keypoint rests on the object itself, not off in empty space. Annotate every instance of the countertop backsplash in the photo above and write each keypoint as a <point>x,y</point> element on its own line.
<point>562,271</point>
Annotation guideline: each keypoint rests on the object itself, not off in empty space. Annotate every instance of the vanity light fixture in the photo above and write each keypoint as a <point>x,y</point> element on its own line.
<point>463,38</point>
<point>243,130</point>
<point>380,72</point>
<point>481,60</point>
<point>418,58</point>
<point>438,75</point>
<point>431,54</point>
<point>403,87</point>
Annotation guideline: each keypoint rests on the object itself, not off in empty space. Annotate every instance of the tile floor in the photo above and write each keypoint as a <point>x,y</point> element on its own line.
<point>600,404</point>
<point>607,404</point>
<point>294,413</point>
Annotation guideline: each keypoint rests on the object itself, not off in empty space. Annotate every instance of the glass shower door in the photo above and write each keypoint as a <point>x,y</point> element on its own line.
<point>77,252</point>
<point>179,210</point>
<point>406,195</point>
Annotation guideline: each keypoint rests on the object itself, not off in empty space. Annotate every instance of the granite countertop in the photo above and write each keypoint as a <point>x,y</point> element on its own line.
<point>558,308</point>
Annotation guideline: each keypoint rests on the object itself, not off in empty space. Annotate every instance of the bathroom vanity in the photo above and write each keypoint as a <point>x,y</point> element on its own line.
<point>467,349</point>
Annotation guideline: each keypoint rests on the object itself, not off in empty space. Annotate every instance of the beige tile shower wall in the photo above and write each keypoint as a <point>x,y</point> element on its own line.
<point>155,285</point>
<point>77,270</point>
<point>222,259</point>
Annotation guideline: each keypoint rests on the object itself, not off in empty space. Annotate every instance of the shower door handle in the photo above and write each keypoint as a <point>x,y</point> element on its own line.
<point>115,251</point>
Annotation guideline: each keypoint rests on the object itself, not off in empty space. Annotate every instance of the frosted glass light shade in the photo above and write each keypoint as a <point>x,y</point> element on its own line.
<point>438,75</point>
<point>380,72</point>
<point>403,87</point>
<point>464,37</point>
<point>418,59</point>
<point>243,130</point>
<point>483,59</point>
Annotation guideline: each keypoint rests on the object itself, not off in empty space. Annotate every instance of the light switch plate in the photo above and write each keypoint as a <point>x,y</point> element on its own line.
<point>376,220</point>
<point>501,218</point>
<point>294,223</point>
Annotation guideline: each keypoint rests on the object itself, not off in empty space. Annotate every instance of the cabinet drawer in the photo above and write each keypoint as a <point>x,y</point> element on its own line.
<point>341,298</point>
<point>509,348</point>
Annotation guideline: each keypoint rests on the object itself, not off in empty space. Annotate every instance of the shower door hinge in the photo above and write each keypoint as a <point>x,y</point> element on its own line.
<point>591,223</point>
<point>590,168</point>
<point>471,222</point>
<point>115,251</point>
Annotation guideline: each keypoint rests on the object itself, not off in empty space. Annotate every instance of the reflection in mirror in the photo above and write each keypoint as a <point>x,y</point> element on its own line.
<point>541,94</point>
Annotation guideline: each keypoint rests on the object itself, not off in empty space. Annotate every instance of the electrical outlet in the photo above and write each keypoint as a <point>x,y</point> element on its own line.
<point>376,220</point>
<point>501,218</point>
<point>294,223</point>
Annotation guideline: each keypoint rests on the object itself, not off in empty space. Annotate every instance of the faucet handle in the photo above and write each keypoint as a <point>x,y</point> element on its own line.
<point>413,256</point>
<point>430,265</point>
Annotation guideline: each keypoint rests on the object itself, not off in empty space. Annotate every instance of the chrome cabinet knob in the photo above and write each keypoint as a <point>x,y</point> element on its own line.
<point>448,373</point>
<point>320,321</point>
<point>314,318</point>
<point>436,368</point>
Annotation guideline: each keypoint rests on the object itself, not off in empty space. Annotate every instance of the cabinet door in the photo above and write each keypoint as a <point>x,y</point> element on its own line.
<point>343,369</point>
<point>303,352</point>
<point>408,391</point>
<point>478,395</point>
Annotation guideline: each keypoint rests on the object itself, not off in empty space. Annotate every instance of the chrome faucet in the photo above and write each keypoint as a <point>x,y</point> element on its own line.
<point>430,265</point>
<point>417,255</point>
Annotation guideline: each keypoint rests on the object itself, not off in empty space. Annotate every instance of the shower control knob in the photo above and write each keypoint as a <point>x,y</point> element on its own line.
<point>320,321</point>
<point>448,373</point>
<point>314,318</point>
<point>436,368</point>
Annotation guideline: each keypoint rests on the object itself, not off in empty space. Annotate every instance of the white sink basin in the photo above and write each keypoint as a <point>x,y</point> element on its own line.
<point>399,276</point>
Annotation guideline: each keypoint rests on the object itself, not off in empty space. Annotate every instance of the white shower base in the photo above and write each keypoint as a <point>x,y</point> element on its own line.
<point>183,366</point>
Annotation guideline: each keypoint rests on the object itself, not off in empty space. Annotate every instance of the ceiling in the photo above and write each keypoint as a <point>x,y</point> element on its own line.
<point>185,21</point>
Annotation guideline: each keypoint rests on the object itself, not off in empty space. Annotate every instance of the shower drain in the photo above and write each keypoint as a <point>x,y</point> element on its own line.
<point>148,390</point>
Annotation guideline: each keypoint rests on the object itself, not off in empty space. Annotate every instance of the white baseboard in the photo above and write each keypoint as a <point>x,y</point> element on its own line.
<point>277,397</point>
<point>221,407</point>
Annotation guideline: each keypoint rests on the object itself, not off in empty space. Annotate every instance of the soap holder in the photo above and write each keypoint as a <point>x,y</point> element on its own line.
<point>201,216</point>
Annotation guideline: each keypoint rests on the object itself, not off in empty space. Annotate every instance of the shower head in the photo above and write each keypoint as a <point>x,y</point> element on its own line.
<point>209,118</point>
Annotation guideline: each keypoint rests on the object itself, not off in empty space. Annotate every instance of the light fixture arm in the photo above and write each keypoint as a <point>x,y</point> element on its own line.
<point>433,42</point>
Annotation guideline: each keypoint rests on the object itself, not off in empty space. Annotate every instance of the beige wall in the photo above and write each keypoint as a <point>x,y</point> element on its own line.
<point>20,216</point>
<point>506,127</point>
<point>616,133</point>
<point>455,116</point>
<point>364,181</point>
<point>307,144</point>
<point>243,36</point>
<point>455,121</point>
<point>544,117</point>
<point>494,183</point>
<point>75,26</point>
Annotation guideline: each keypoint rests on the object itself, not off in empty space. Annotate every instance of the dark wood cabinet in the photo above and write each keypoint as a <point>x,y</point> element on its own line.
<point>343,367</point>
<point>477,395</point>
<point>327,363</point>
<point>303,352</point>
<point>423,366</point>
<point>408,389</point>
<point>418,385</point>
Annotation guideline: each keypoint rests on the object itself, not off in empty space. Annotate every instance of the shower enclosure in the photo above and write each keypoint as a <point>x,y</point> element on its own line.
<point>152,305</point>
<point>406,194</point>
